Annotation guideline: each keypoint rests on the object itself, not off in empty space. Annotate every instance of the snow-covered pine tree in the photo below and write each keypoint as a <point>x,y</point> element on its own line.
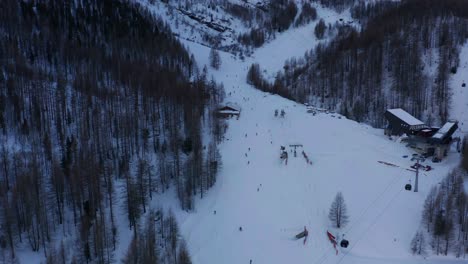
<point>338,213</point>
<point>320,28</point>
<point>464,151</point>
<point>215,59</point>
<point>184,256</point>
<point>418,244</point>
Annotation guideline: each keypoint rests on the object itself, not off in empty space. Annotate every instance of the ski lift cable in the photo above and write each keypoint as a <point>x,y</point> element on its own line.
<point>327,254</point>
<point>358,220</point>
<point>394,180</point>
<point>372,225</point>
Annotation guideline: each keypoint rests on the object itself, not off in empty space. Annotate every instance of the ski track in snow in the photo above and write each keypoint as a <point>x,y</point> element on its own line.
<point>459,94</point>
<point>383,216</point>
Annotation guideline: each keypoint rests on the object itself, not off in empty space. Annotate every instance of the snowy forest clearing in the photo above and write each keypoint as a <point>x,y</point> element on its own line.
<point>459,85</point>
<point>383,216</point>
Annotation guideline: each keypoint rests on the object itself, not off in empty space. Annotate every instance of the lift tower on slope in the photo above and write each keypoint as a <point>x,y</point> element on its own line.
<point>418,158</point>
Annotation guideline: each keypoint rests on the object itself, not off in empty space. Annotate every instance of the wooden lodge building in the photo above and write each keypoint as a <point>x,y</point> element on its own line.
<point>228,111</point>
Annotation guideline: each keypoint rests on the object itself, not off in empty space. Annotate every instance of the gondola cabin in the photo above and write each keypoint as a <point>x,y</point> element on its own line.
<point>344,243</point>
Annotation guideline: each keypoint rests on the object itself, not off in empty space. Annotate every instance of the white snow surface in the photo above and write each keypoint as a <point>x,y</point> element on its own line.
<point>295,42</point>
<point>272,202</point>
<point>302,37</point>
<point>459,104</point>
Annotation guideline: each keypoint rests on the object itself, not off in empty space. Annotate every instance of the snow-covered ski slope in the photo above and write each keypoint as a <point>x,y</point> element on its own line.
<point>459,104</point>
<point>189,29</point>
<point>273,201</point>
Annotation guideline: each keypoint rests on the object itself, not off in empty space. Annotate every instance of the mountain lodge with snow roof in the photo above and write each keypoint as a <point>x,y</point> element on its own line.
<point>228,111</point>
<point>427,140</point>
<point>401,122</point>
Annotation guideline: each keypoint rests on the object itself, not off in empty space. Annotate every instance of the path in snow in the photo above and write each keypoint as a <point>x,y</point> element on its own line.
<point>272,202</point>
<point>459,102</point>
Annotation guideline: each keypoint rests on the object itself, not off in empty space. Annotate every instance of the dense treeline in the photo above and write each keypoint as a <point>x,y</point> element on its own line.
<point>255,78</point>
<point>339,5</point>
<point>98,104</point>
<point>265,20</point>
<point>159,236</point>
<point>403,57</point>
<point>444,227</point>
<point>308,13</point>
<point>445,219</point>
<point>464,151</point>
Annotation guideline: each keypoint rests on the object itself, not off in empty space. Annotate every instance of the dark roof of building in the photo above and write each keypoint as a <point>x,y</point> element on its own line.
<point>446,130</point>
<point>405,117</point>
<point>227,108</point>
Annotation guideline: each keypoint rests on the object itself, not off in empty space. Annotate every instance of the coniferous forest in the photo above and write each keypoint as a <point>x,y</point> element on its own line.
<point>99,103</point>
<point>444,219</point>
<point>402,57</point>
<point>105,114</point>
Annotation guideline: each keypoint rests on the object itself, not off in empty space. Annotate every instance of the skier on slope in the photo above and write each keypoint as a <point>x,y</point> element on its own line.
<point>306,234</point>
<point>303,234</point>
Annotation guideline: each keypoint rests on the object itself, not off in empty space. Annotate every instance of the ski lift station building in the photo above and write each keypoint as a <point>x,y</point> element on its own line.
<point>439,143</point>
<point>401,122</point>
<point>429,141</point>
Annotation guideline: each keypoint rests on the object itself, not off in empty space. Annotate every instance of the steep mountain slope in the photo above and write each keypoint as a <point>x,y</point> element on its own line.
<point>101,108</point>
<point>403,57</point>
<point>272,201</point>
<point>459,92</point>
<point>240,26</point>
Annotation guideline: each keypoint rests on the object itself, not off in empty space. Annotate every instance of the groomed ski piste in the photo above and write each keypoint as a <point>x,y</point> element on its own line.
<point>272,202</point>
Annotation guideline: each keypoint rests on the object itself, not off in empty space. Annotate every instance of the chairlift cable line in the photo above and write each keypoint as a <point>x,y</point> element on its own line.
<point>396,178</point>
<point>372,225</point>
<point>326,254</point>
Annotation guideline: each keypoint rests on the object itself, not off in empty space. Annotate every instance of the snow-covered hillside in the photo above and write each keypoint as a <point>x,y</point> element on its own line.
<point>459,86</point>
<point>212,25</point>
<point>260,202</point>
<point>272,201</point>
